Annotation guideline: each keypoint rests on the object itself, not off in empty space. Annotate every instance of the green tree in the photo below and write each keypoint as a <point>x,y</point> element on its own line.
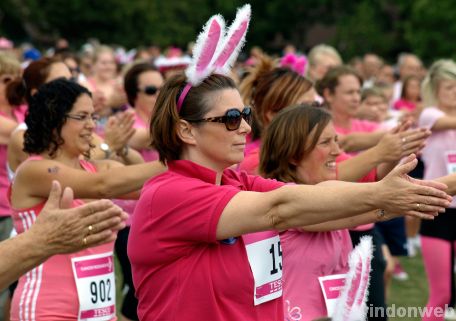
<point>431,29</point>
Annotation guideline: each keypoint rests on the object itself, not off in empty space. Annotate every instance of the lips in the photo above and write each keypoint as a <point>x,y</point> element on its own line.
<point>87,137</point>
<point>331,165</point>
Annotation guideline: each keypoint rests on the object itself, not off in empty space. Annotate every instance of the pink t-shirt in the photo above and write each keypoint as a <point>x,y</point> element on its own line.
<point>403,104</point>
<point>148,154</point>
<point>359,126</point>
<point>48,292</point>
<point>19,115</point>
<point>307,256</point>
<point>251,161</point>
<point>437,145</point>
<point>180,270</point>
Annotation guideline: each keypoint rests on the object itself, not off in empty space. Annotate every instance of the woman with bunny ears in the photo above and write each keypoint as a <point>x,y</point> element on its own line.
<point>204,242</point>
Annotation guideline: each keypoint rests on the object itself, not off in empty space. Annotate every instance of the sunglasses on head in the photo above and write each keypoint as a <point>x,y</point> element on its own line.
<point>232,118</point>
<point>149,90</point>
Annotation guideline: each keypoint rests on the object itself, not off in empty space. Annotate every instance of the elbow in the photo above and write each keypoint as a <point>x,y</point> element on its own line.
<point>276,220</point>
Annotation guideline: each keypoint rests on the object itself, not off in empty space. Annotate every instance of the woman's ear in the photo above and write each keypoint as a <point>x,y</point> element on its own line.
<point>269,116</point>
<point>327,95</point>
<point>185,132</point>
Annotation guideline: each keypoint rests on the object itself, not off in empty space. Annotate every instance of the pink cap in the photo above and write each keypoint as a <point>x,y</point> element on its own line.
<point>5,43</point>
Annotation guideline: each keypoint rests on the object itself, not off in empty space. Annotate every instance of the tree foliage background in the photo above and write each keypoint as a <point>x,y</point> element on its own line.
<point>386,27</point>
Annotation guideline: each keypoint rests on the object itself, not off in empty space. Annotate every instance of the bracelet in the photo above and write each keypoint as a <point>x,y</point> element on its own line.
<point>123,152</point>
<point>381,214</point>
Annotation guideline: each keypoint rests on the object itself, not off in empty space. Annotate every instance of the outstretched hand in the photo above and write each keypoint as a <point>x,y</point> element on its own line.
<point>403,194</point>
<point>64,230</point>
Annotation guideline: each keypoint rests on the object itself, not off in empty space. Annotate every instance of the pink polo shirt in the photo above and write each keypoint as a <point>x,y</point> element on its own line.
<point>437,146</point>
<point>180,270</point>
<point>307,256</point>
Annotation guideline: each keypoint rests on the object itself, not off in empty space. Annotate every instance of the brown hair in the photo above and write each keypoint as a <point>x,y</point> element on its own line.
<point>196,105</point>
<point>131,79</point>
<point>289,138</point>
<point>270,88</point>
<point>406,83</point>
<point>34,77</point>
<point>331,79</point>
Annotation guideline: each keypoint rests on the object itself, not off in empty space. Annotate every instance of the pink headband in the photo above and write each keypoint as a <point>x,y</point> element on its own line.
<point>182,96</point>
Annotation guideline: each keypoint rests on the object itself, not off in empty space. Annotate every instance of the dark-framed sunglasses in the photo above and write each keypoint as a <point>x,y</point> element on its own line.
<point>232,118</point>
<point>149,90</point>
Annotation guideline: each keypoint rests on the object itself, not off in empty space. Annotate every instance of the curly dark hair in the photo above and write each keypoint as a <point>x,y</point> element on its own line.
<point>47,115</point>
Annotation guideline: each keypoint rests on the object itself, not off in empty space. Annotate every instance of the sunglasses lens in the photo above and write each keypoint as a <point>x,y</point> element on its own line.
<point>233,119</point>
<point>150,90</point>
<point>247,115</point>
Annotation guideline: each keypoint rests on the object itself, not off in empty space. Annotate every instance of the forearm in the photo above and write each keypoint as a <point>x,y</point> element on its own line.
<point>355,168</point>
<point>303,205</point>
<point>19,255</point>
<point>450,181</point>
<point>384,168</point>
<point>130,157</point>
<point>6,128</point>
<point>356,142</point>
<point>123,180</point>
<point>140,139</point>
<point>349,222</point>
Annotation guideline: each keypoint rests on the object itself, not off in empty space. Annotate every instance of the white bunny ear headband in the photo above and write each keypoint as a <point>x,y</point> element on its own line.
<point>215,50</point>
<point>351,305</point>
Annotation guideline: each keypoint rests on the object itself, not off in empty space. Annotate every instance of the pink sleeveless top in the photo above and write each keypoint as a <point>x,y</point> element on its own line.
<point>48,292</point>
<point>19,115</point>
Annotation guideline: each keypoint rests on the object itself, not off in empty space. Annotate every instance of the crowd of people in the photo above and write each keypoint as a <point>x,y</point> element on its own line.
<point>226,189</point>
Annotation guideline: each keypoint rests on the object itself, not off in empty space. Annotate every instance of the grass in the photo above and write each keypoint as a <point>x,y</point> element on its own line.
<point>412,292</point>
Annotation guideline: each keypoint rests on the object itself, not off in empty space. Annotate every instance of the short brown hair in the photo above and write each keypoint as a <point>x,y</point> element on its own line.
<point>196,105</point>
<point>131,79</point>
<point>33,78</point>
<point>331,79</point>
<point>289,138</point>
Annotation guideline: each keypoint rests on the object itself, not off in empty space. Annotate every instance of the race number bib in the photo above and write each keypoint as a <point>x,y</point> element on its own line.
<point>265,258</point>
<point>94,277</point>
<point>331,286</point>
<point>450,160</point>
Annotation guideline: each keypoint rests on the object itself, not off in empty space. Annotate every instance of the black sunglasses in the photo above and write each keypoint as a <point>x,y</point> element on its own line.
<point>232,119</point>
<point>149,90</point>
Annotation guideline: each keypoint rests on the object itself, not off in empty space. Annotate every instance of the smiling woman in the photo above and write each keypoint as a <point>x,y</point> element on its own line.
<point>61,122</point>
<point>205,241</point>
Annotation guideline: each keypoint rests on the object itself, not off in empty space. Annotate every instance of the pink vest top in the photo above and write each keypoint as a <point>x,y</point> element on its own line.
<point>48,292</point>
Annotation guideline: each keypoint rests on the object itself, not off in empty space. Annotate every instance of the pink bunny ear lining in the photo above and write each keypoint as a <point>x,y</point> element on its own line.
<point>235,39</point>
<point>208,50</point>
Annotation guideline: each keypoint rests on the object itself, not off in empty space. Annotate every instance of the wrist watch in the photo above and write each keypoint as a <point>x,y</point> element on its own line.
<point>105,148</point>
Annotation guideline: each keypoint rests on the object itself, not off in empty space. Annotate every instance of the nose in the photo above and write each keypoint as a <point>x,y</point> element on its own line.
<point>335,148</point>
<point>245,128</point>
<point>90,123</point>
